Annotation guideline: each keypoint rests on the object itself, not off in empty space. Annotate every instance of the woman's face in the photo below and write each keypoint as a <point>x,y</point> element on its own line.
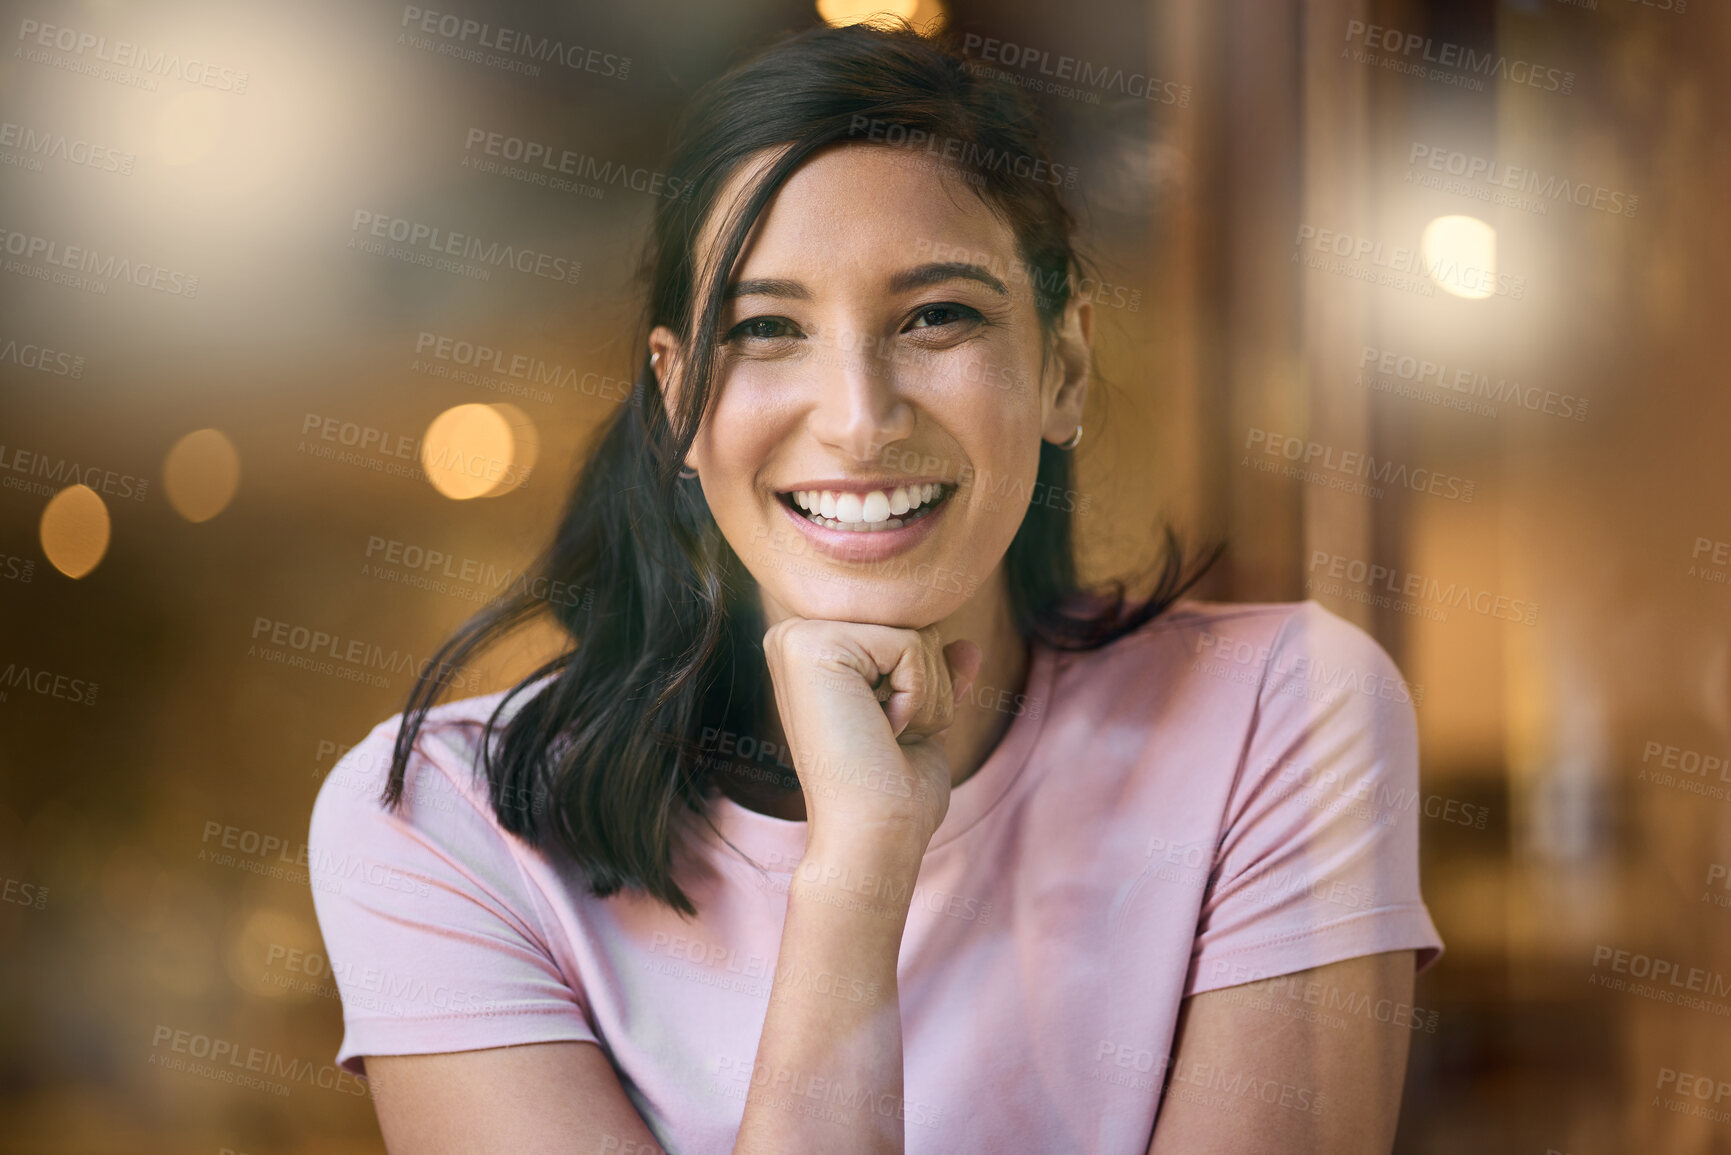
<point>880,395</point>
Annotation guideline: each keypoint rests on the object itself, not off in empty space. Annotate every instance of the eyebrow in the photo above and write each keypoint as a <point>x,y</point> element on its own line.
<point>918,277</point>
<point>922,275</point>
<point>770,287</point>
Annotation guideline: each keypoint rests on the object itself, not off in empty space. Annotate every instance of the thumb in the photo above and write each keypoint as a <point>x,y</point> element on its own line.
<point>964,659</point>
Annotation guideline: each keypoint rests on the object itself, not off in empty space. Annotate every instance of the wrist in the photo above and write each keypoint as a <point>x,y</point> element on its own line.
<point>885,846</point>
<point>873,876</point>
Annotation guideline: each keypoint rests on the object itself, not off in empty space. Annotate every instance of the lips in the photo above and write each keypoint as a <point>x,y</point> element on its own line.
<point>868,510</point>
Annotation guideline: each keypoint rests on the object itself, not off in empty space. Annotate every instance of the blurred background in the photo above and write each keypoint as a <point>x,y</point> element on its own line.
<point>1420,305</point>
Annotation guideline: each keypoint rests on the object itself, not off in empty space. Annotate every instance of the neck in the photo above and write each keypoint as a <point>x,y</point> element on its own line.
<point>979,724</point>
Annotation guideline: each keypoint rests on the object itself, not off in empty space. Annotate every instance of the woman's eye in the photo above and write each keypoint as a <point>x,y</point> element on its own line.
<point>933,316</point>
<point>761,329</point>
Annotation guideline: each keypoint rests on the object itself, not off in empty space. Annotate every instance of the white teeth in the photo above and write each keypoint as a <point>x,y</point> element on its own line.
<point>877,509</point>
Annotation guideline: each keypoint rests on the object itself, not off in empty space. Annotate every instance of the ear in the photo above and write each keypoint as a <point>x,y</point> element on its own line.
<point>665,363</point>
<point>1074,368</point>
<point>664,356</point>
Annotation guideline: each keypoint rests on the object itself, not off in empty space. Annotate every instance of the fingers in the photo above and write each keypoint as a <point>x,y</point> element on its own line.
<point>916,679</point>
<point>928,686</point>
<point>911,680</point>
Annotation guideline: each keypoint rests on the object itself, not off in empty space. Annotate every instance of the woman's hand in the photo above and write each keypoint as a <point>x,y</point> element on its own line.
<point>862,707</point>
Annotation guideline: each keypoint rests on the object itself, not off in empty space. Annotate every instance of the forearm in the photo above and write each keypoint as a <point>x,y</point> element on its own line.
<point>828,1075</point>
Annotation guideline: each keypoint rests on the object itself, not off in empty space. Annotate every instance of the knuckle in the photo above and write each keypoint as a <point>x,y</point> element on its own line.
<point>775,635</point>
<point>797,637</point>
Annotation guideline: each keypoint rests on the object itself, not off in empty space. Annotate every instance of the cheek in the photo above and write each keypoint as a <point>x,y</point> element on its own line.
<point>989,385</point>
<point>994,378</point>
<point>1005,456</point>
<point>997,429</point>
<point>737,440</point>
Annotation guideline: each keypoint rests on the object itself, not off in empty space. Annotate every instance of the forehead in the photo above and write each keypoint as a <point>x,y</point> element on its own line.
<point>855,209</point>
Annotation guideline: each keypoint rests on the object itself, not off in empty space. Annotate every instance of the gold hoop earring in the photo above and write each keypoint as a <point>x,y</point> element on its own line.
<point>1075,438</point>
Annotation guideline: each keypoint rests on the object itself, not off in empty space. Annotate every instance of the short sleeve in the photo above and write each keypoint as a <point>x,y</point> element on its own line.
<point>1318,855</point>
<point>431,926</point>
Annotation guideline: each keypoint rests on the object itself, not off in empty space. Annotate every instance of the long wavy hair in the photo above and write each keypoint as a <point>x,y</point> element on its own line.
<point>666,647</point>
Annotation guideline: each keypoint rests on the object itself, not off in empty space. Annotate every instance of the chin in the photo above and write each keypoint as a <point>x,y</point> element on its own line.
<point>901,604</point>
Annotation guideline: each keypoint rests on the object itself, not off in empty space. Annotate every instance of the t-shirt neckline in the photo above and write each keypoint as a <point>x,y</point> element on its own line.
<point>779,843</point>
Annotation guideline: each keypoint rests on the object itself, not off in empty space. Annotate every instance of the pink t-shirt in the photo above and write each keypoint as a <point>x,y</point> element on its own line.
<point>1228,794</point>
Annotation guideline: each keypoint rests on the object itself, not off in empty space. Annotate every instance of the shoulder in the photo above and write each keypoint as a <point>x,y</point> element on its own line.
<point>1269,646</point>
<point>443,790</point>
<point>1320,657</point>
<point>439,932</point>
<point>1327,707</point>
<point>1296,663</point>
<point>1242,680</point>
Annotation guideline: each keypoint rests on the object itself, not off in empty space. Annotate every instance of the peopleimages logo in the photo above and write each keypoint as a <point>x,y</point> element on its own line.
<point>1391,580</point>
<point>1025,58</point>
<point>47,683</point>
<point>425,243</point>
<point>474,579</point>
<point>106,268</point>
<point>35,145</point>
<point>1366,256</point>
<point>1515,178</point>
<point>973,156</point>
<point>1461,63</point>
<point>352,658</point>
<point>370,447</point>
<point>1471,385</point>
<point>123,54</point>
<point>42,359</point>
<point>57,472</point>
<point>523,367</point>
<point>545,164</point>
<point>230,1062</point>
<point>1355,463</point>
<point>470,39</point>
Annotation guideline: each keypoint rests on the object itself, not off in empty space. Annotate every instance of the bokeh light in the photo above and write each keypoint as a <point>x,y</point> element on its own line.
<point>75,530</point>
<point>477,450</point>
<point>839,12</point>
<point>1460,253</point>
<point>526,448</point>
<point>200,474</point>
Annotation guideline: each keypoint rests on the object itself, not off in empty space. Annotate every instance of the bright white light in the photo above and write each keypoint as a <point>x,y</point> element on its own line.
<point>1460,254</point>
<point>839,12</point>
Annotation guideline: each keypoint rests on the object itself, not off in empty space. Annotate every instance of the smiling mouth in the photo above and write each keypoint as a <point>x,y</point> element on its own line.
<point>872,512</point>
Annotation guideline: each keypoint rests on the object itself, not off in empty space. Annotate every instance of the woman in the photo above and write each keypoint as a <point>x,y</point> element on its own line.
<point>849,823</point>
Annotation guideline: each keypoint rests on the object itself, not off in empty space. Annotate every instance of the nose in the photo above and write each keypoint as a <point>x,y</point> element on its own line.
<point>859,410</point>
